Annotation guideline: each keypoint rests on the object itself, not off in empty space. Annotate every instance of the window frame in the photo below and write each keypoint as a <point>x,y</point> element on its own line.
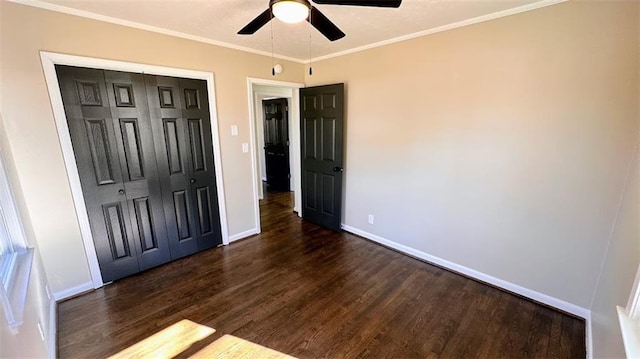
<point>633,305</point>
<point>15,255</point>
<point>17,241</point>
<point>629,318</point>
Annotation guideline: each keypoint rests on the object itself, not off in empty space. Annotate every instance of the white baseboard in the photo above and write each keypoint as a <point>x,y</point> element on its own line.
<point>53,329</point>
<point>244,234</point>
<point>511,287</point>
<point>70,292</point>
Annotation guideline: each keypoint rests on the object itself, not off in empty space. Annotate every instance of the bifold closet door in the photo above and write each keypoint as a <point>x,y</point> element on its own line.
<point>136,150</point>
<point>108,118</point>
<point>184,150</point>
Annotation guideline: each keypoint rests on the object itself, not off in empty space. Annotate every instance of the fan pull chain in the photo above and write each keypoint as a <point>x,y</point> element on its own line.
<point>273,61</point>
<point>310,68</point>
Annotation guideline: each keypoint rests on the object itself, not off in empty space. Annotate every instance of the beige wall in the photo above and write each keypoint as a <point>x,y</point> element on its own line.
<point>501,146</point>
<point>33,139</point>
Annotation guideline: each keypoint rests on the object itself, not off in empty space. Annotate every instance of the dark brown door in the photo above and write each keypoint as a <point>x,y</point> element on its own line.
<point>321,146</point>
<point>108,118</point>
<point>184,148</point>
<point>276,144</point>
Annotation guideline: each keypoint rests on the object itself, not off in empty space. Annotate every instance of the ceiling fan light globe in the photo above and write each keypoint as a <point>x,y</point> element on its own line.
<point>290,12</point>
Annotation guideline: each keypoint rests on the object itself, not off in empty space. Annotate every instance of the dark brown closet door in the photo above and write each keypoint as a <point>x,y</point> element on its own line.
<point>134,138</point>
<point>184,149</point>
<point>115,158</point>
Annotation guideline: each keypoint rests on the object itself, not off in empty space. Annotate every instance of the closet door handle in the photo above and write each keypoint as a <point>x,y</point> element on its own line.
<point>192,180</point>
<point>121,191</point>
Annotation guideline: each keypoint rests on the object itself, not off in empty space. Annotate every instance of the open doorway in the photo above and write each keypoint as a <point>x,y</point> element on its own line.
<point>284,150</point>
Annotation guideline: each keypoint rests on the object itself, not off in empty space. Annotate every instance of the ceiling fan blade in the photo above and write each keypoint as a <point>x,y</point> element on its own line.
<point>256,23</point>
<point>324,25</point>
<point>375,3</point>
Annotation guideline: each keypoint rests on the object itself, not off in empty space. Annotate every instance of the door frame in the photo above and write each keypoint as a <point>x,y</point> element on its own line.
<point>253,90</point>
<point>49,60</point>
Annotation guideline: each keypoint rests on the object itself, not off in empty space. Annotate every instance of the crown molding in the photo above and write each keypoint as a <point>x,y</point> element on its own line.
<point>455,25</point>
<point>136,25</point>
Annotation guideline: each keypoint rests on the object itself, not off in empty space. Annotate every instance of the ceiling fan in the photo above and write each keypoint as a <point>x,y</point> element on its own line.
<point>292,11</point>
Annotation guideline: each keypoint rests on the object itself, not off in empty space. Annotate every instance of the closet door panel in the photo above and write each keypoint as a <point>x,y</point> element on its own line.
<point>196,112</point>
<point>130,113</point>
<point>95,145</point>
<point>174,160</point>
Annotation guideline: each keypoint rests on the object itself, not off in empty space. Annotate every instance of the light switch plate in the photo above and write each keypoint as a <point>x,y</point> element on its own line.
<point>234,130</point>
<point>245,148</point>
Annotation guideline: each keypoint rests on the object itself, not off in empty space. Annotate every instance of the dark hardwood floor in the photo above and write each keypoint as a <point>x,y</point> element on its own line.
<point>309,292</point>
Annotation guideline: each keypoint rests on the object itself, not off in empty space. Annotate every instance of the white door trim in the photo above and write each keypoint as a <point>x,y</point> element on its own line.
<point>49,60</point>
<point>294,125</point>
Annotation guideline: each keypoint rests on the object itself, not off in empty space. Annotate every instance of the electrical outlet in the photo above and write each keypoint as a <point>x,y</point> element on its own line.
<point>371,219</point>
<point>41,331</point>
<point>245,148</point>
<point>234,130</point>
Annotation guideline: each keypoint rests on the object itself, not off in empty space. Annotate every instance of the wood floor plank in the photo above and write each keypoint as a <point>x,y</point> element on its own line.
<point>309,292</point>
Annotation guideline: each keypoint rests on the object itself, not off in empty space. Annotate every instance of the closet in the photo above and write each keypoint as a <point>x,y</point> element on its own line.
<point>144,153</point>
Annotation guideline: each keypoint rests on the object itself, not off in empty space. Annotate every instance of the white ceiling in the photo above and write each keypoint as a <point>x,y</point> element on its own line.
<point>218,21</point>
